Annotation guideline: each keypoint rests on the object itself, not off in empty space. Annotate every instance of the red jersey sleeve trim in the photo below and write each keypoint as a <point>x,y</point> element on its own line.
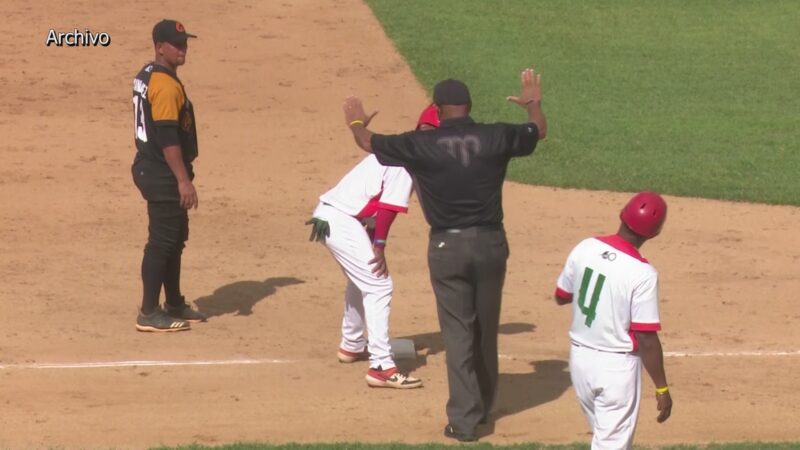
<point>400,209</point>
<point>632,334</point>
<point>563,295</point>
<point>369,209</point>
<point>645,326</point>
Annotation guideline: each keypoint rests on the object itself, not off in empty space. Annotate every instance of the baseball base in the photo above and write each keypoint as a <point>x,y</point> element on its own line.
<point>402,349</point>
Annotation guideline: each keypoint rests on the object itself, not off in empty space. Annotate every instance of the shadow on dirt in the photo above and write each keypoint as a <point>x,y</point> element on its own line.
<point>517,392</point>
<point>428,344</point>
<point>240,297</point>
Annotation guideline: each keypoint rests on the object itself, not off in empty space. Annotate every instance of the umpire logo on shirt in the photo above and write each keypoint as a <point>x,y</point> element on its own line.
<point>462,149</point>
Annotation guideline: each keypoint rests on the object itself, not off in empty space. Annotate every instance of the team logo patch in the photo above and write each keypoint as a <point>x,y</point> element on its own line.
<point>609,255</point>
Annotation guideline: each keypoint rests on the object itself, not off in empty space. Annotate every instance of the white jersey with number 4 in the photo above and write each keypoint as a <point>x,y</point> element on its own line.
<point>370,185</point>
<point>614,292</point>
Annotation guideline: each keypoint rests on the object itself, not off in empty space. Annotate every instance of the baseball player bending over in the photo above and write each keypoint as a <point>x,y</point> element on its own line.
<point>343,221</point>
<point>615,322</point>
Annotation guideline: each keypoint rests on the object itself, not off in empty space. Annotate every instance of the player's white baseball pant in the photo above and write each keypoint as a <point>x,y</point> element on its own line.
<point>367,297</point>
<point>608,386</point>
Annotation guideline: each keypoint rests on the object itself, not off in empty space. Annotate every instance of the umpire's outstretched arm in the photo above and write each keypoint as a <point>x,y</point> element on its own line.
<point>358,121</point>
<point>530,98</point>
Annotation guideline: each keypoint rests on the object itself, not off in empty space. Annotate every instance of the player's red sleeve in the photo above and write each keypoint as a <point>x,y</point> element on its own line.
<point>383,221</point>
<point>402,209</point>
<point>563,295</point>
<point>645,326</point>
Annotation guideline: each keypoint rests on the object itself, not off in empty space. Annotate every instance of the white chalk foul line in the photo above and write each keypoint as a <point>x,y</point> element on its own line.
<point>106,364</point>
<point>248,361</point>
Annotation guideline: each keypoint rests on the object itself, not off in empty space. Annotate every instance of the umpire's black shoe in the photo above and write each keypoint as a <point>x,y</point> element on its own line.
<point>451,433</point>
<point>158,320</point>
<point>185,312</point>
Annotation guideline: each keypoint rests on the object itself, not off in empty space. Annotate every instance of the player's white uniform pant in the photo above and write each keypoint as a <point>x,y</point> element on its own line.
<point>367,297</point>
<point>608,386</point>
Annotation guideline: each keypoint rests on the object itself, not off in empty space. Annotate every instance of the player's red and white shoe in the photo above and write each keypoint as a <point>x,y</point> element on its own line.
<point>391,378</point>
<point>348,357</point>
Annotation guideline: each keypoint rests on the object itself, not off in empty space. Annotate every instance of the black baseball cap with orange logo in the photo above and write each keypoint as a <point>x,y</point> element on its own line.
<point>170,31</point>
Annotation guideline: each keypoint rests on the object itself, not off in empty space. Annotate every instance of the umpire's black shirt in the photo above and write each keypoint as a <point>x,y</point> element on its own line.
<point>458,168</point>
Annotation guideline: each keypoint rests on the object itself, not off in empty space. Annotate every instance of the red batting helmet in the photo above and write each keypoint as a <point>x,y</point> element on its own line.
<point>645,214</point>
<point>429,116</point>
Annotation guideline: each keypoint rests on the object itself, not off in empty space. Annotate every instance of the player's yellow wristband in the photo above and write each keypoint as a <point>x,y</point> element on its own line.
<point>357,122</point>
<point>662,390</point>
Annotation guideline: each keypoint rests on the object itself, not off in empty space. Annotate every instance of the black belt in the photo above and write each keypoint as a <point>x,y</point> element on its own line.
<point>468,230</point>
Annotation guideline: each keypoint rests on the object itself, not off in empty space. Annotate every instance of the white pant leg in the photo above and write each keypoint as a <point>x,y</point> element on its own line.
<point>609,389</point>
<point>617,406</point>
<point>353,339</point>
<point>580,372</point>
<point>352,249</point>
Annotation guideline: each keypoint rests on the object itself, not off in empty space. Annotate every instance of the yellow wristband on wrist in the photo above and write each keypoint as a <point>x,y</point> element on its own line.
<point>662,390</point>
<point>357,122</point>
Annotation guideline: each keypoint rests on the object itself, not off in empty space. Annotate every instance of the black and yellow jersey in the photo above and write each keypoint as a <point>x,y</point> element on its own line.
<point>160,106</point>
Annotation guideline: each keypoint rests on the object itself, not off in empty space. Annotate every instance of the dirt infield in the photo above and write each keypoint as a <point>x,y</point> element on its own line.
<point>267,80</point>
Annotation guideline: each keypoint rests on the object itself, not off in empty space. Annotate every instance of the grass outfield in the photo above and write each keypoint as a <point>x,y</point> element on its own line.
<point>692,98</point>
<point>479,446</point>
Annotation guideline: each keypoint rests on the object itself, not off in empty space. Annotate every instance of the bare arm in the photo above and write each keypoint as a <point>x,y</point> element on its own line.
<point>363,137</point>
<point>530,98</point>
<point>653,360</point>
<point>358,120</point>
<point>174,158</point>
<point>535,115</point>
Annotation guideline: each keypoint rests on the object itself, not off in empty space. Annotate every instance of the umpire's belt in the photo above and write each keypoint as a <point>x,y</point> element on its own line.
<point>469,231</point>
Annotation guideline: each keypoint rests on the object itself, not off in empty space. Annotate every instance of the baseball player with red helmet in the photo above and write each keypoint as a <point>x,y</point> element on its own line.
<point>429,119</point>
<point>615,323</point>
<point>369,193</point>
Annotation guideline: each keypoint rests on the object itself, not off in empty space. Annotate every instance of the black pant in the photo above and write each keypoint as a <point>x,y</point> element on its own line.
<point>467,269</point>
<point>168,231</point>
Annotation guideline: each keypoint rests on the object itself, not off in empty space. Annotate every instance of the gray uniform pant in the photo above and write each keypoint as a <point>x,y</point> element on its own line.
<point>467,269</point>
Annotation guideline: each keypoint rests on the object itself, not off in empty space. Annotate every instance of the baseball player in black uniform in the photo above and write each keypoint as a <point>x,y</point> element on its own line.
<point>166,144</point>
<point>459,171</point>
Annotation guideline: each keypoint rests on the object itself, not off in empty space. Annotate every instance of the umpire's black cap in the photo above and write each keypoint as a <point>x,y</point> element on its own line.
<point>170,31</point>
<point>451,92</point>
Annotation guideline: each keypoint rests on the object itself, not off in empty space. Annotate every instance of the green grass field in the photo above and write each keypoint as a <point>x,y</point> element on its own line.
<point>683,97</point>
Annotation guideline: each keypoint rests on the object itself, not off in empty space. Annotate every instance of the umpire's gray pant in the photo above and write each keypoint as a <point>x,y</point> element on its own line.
<point>467,269</point>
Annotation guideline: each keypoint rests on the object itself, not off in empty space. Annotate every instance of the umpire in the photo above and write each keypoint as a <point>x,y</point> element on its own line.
<point>459,171</point>
<point>166,145</point>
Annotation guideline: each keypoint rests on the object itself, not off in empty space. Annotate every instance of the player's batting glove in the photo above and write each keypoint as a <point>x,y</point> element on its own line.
<point>320,229</point>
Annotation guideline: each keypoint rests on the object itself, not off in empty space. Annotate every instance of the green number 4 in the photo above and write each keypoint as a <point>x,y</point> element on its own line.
<point>589,311</point>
